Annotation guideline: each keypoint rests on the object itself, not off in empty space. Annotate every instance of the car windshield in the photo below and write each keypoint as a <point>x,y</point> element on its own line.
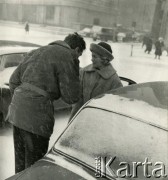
<point>99,133</point>
<point>10,60</point>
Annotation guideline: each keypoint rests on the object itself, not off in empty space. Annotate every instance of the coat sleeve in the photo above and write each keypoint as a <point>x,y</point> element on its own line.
<point>69,83</point>
<point>80,103</point>
<point>116,83</point>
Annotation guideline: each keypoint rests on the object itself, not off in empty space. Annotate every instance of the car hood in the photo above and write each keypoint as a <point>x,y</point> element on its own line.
<point>53,167</point>
<point>5,75</point>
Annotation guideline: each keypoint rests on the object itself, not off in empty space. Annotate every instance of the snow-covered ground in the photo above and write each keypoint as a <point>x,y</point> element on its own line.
<point>139,67</point>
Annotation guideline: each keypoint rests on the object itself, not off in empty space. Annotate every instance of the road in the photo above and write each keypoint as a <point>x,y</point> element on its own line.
<point>139,67</point>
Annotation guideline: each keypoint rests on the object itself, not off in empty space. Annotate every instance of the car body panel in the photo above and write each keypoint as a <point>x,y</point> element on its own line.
<point>55,167</point>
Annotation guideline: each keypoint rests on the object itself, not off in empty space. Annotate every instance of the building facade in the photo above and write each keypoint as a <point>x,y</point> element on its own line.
<point>81,13</point>
<point>160,22</point>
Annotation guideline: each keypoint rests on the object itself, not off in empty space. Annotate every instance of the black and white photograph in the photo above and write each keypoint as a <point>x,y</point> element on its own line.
<point>83,89</point>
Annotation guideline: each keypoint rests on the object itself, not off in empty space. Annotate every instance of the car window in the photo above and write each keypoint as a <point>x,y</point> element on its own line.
<point>99,133</point>
<point>10,60</point>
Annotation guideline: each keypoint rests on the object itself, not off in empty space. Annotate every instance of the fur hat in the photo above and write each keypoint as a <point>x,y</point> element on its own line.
<point>103,49</point>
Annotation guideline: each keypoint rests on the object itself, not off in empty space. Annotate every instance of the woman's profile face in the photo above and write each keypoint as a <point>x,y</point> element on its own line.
<point>97,62</point>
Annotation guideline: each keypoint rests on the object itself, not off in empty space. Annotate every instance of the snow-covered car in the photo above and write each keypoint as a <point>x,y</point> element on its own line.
<point>120,135</point>
<point>86,32</point>
<point>120,36</point>
<point>104,33</point>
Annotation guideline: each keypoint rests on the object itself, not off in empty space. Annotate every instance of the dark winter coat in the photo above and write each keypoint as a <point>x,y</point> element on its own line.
<point>148,44</point>
<point>95,82</point>
<point>158,45</point>
<point>55,70</point>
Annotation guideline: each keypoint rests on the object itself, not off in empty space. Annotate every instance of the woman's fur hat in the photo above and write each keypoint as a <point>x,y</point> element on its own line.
<point>103,49</point>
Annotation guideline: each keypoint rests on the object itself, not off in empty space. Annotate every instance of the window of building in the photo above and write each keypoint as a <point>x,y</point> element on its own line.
<point>96,21</point>
<point>50,10</point>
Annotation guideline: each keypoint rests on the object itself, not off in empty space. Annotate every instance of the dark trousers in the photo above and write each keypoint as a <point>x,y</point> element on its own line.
<point>29,148</point>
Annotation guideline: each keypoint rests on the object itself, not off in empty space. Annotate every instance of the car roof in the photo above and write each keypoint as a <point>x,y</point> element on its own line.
<point>146,102</point>
<point>17,43</point>
<point>15,49</point>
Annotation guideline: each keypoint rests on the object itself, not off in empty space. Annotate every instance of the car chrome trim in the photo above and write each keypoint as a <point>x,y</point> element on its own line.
<point>130,82</point>
<point>75,161</point>
<point>60,161</point>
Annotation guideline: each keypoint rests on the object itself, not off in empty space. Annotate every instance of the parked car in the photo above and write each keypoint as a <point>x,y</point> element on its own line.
<point>86,32</point>
<point>95,31</point>
<point>107,34</point>
<point>104,33</point>
<point>122,134</point>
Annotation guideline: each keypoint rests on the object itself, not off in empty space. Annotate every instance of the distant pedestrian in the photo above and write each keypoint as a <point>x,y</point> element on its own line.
<point>27,27</point>
<point>159,44</point>
<point>148,45</point>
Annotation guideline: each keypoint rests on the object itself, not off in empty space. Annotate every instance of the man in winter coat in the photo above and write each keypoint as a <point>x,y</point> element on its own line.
<point>98,77</point>
<point>45,75</point>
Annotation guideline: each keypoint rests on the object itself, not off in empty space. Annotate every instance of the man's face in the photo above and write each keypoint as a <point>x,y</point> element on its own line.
<point>78,52</point>
<point>97,61</point>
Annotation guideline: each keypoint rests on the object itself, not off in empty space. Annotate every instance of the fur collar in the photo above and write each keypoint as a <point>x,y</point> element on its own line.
<point>106,72</point>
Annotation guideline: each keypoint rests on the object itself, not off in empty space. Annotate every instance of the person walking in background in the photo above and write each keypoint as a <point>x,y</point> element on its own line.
<point>159,44</point>
<point>45,75</point>
<point>27,28</point>
<point>148,44</point>
<point>98,77</point>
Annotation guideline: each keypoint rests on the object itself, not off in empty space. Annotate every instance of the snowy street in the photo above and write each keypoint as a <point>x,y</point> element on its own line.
<point>140,67</point>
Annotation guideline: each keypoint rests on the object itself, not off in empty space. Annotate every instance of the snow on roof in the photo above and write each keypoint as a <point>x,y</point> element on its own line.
<point>10,50</point>
<point>142,102</point>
